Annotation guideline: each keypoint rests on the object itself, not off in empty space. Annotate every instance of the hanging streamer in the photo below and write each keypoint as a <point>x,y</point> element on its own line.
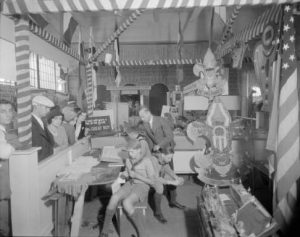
<point>174,61</point>
<point>118,32</point>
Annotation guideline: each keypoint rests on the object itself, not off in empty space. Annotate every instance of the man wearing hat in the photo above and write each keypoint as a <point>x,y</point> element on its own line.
<point>41,137</point>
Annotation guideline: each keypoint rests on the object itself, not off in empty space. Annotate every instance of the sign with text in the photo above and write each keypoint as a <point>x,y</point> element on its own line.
<point>99,126</point>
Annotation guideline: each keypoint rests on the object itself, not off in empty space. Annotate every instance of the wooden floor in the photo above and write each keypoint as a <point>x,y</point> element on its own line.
<point>180,223</point>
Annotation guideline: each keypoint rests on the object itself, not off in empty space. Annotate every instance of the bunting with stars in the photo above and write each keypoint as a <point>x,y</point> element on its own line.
<point>287,154</point>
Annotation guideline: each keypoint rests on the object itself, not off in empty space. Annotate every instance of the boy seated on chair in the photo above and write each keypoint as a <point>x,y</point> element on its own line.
<point>165,174</point>
<point>167,177</point>
<point>139,173</point>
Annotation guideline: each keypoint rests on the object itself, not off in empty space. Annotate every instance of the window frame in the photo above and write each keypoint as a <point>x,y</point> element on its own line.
<point>38,70</point>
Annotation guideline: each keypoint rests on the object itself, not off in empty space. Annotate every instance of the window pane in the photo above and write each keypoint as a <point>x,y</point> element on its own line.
<point>47,74</point>
<point>33,69</point>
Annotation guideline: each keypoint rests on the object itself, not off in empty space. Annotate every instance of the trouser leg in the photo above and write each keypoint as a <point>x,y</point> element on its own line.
<point>171,189</point>
<point>172,193</point>
<point>157,203</point>
<point>4,218</point>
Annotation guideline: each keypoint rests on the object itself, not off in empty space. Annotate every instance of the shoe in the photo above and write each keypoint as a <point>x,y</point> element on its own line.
<point>177,205</point>
<point>106,234</point>
<point>160,218</point>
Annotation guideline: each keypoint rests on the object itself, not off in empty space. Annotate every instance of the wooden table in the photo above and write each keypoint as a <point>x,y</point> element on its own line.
<point>69,188</point>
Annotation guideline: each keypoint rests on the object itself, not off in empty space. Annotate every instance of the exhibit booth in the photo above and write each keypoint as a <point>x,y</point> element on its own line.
<point>212,143</point>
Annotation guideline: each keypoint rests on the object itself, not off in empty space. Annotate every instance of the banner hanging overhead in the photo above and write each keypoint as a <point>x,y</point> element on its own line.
<point>40,6</point>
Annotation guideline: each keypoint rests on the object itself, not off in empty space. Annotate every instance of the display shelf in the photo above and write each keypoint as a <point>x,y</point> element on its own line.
<point>232,211</point>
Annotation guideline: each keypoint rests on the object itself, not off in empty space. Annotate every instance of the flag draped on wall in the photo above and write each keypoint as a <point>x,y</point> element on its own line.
<point>117,53</point>
<point>92,46</point>
<point>81,97</point>
<point>179,68</point>
<point>70,25</point>
<point>38,20</point>
<point>287,168</point>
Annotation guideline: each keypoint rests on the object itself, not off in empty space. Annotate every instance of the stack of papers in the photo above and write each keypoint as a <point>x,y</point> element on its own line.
<point>110,154</point>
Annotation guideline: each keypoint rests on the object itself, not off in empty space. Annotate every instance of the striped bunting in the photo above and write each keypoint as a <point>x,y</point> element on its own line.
<point>43,34</point>
<point>251,31</point>
<point>23,82</point>
<point>230,22</point>
<point>40,6</point>
<point>117,33</point>
<point>89,91</point>
<point>154,62</point>
<point>287,157</point>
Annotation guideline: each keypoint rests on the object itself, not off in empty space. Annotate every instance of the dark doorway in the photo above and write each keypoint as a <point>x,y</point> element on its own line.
<point>157,98</point>
<point>103,95</point>
<point>132,97</point>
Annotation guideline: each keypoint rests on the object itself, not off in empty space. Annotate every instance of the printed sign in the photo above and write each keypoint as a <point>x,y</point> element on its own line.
<point>99,126</point>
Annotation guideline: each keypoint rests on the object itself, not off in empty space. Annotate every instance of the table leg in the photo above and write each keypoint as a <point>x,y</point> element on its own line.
<point>61,216</point>
<point>77,215</point>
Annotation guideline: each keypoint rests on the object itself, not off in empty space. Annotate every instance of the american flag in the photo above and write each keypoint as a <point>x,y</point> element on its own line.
<point>287,169</point>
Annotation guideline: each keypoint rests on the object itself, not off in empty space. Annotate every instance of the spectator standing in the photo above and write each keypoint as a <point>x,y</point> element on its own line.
<point>137,107</point>
<point>80,131</point>
<point>6,115</point>
<point>70,116</point>
<point>41,137</point>
<point>54,119</point>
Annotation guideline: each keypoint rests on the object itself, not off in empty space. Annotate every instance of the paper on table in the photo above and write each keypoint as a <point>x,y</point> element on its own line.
<point>110,154</point>
<point>82,165</point>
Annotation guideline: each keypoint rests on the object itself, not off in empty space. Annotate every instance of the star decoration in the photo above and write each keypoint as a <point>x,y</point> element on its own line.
<point>292,57</point>
<point>287,8</point>
<point>292,19</point>
<point>286,27</point>
<point>292,38</point>
<point>285,66</point>
<point>286,47</point>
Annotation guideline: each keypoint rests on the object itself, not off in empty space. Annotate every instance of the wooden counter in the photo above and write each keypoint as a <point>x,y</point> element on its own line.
<point>30,181</point>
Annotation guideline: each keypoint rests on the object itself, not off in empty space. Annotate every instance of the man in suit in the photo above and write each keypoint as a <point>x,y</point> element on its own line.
<point>41,136</point>
<point>6,115</point>
<point>161,137</point>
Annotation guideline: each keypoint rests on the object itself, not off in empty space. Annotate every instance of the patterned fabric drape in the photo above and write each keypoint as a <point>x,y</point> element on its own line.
<point>251,31</point>
<point>40,6</point>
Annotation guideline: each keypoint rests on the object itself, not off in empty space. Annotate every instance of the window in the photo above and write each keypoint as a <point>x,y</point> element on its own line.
<point>46,74</point>
<point>33,70</point>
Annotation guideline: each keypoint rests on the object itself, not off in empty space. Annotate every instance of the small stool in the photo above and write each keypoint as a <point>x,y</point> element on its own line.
<point>125,228</point>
